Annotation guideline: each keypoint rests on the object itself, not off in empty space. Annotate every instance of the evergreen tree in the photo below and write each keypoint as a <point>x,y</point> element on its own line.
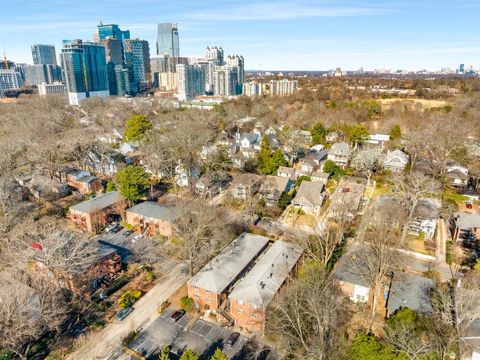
<point>165,354</point>
<point>318,133</point>
<point>219,355</point>
<point>395,132</point>
<point>132,182</point>
<point>136,127</point>
<point>189,355</point>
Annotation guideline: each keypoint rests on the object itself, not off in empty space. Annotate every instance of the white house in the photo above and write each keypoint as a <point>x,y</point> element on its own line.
<point>340,154</point>
<point>396,161</point>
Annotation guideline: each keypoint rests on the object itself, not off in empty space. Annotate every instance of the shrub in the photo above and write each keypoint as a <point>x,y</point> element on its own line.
<point>186,303</point>
<point>129,298</point>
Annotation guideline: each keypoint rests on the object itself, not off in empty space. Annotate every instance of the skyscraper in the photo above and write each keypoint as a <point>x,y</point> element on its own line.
<point>42,73</point>
<point>190,81</point>
<point>238,63</point>
<point>114,58</point>
<point>44,54</point>
<point>214,54</point>
<point>225,81</point>
<point>137,59</point>
<point>112,31</point>
<point>167,41</point>
<point>85,70</point>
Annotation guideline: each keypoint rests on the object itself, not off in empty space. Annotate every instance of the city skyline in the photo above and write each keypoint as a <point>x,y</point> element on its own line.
<point>281,35</point>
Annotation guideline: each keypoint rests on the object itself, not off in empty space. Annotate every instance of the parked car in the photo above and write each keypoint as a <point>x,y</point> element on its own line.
<point>232,339</point>
<point>124,313</point>
<point>177,315</point>
<point>116,229</point>
<point>469,204</point>
<point>109,227</point>
<point>127,233</point>
<point>137,237</point>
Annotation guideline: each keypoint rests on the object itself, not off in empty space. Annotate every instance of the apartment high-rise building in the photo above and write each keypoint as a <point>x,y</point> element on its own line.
<point>238,63</point>
<point>9,80</point>
<point>190,81</point>
<point>137,59</point>
<point>225,81</point>
<point>85,70</point>
<point>214,54</point>
<point>44,54</point>
<point>112,31</point>
<point>253,89</point>
<point>42,73</point>
<point>283,87</point>
<point>167,40</point>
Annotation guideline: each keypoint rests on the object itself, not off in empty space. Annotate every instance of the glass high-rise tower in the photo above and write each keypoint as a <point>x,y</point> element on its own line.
<point>112,31</point>
<point>44,54</point>
<point>167,41</point>
<point>85,70</point>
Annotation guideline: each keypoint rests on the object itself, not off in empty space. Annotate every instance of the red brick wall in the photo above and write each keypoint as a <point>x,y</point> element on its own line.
<point>204,299</point>
<point>247,317</point>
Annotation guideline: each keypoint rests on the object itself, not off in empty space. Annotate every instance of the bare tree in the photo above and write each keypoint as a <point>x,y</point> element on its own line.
<point>376,253</point>
<point>202,231</point>
<point>321,245</point>
<point>29,308</point>
<point>366,162</point>
<point>410,188</point>
<point>307,317</point>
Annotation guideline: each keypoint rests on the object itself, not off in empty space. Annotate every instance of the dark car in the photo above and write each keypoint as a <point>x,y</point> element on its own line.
<point>124,313</point>
<point>177,315</point>
<point>116,229</point>
<point>232,339</point>
<point>127,233</point>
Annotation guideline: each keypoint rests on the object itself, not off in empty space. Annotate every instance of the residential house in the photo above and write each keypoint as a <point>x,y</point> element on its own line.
<point>183,177</point>
<point>128,148</point>
<point>208,187</point>
<point>252,294</point>
<point>395,161</point>
<point>91,215</point>
<point>287,172</point>
<point>378,140</point>
<point>105,163</point>
<point>309,197</point>
<point>302,136</point>
<point>152,218</point>
<point>346,200</point>
<point>466,227</point>
<point>457,174</point>
<point>340,154</point>
<point>114,137</point>
<point>335,137</point>
<point>408,290</point>
<point>400,289</point>
<point>81,180</point>
<point>42,187</point>
<point>245,186</point>
<point>273,187</point>
<point>210,287</point>
<point>250,141</point>
<point>318,176</point>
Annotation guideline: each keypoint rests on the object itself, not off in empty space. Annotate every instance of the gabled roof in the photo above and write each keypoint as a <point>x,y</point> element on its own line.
<point>224,269</point>
<point>98,203</point>
<point>264,280</point>
<point>396,156</point>
<point>410,291</point>
<point>467,221</point>
<point>340,149</point>
<point>310,192</point>
<point>286,170</point>
<point>155,210</point>
<point>246,179</point>
<point>277,183</point>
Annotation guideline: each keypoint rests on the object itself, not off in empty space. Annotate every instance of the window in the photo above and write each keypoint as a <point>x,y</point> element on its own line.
<point>240,311</point>
<point>208,300</point>
<point>253,316</point>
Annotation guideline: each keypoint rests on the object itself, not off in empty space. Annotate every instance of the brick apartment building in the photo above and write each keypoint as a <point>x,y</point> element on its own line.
<point>209,288</point>
<point>91,215</point>
<point>153,218</point>
<point>82,181</point>
<point>252,294</point>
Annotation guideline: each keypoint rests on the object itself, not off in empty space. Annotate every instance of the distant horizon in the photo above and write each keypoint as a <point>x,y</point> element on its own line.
<point>282,34</point>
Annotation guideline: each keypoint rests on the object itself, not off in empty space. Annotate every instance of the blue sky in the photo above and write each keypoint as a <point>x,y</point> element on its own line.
<point>271,34</point>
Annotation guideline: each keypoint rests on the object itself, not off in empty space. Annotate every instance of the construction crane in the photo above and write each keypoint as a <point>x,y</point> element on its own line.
<point>5,61</point>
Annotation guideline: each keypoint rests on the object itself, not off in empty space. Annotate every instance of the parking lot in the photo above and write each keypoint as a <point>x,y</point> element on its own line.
<point>202,337</point>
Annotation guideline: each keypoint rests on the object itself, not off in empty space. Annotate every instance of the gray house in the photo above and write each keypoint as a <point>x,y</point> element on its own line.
<point>309,197</point>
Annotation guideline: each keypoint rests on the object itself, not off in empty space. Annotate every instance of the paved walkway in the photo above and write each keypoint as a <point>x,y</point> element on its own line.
<point>107,343</point>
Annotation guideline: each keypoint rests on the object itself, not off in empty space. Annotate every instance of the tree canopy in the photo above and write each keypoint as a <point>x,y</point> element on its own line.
<point>132,182</point>
<point>136,128</point>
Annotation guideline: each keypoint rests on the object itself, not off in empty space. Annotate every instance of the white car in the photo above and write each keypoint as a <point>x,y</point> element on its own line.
<point>137,237</point>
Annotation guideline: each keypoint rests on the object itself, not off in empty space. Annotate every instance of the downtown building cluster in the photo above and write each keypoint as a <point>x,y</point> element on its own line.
<point>114,64</point>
